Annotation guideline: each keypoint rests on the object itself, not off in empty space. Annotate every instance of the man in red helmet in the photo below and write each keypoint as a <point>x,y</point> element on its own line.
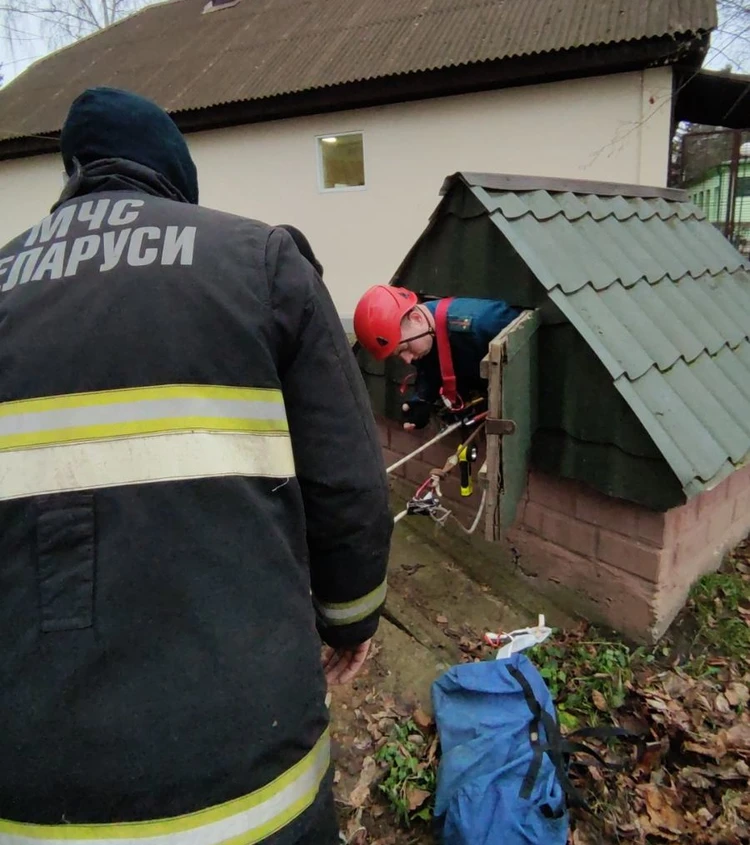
<point>444,339</point>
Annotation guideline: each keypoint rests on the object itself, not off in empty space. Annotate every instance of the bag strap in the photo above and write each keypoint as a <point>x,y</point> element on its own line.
<point>559,748</point>
<point>445,357</point>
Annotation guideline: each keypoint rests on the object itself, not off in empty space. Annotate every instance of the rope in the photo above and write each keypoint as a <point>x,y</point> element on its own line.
<point>427,506</point>
<point>444,433</point>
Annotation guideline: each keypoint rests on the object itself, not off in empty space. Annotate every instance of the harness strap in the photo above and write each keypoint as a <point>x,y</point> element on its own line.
<point>445,358</point>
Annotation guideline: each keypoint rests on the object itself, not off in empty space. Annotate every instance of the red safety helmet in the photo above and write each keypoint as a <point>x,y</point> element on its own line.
<point>377,318</point>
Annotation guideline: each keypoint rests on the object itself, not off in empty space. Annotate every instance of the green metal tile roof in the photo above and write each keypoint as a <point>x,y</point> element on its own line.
<point>660,296</point>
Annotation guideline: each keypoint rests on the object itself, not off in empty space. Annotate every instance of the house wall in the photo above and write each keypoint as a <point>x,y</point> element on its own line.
<point>613,128</point>
<point>614,562</point>
<point>712,194</point>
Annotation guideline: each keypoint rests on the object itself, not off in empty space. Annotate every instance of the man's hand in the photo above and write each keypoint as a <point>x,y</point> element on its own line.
<point>416,414</point>
<point>340,665</point>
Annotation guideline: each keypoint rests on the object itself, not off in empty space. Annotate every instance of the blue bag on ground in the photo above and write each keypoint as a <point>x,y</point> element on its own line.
<point>496,785</point>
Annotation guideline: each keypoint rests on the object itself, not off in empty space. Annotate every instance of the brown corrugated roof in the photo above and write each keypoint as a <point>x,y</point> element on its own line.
<point>257,49</point>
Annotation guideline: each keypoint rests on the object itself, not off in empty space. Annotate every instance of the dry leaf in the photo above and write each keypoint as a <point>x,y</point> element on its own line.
<point>600,702</point>
<point>714,752</point>
<point>737,695</point>
<point>416,797</point>
<point>738,737</point>
<point>694,777</point>
<point>580,836</point>
<point>422,720</point>
<point>657,704</point>
<point>660,810</point>
<point>653,755</point>
<point>703,702</point>
<point>432,752</point>
<point>704,816</point>
<point>441,620</point>
<point>676,685</point>
<point>354,830</point>
<point>721,704</point>
<point>375,732</point>
<point>361,791</point>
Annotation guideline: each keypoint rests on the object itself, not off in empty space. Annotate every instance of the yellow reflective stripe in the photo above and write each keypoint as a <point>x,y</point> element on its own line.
<point>139,411</point>
<point>138,394</point>
<point>141,460</point>
<point>346,613</point>
<point>247,820</point>
<point>141,427</point>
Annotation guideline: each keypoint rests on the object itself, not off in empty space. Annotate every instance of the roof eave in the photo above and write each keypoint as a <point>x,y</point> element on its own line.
<point>513,182</point>
<point>685,50</point>
<point>713,98</point>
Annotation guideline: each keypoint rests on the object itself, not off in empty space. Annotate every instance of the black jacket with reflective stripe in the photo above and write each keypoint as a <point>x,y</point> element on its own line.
<point>158,645</point>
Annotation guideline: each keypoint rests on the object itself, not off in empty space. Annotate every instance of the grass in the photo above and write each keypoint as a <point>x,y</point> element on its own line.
<point>587,678</point>
<point>410,781</point>
<point>717,602</point>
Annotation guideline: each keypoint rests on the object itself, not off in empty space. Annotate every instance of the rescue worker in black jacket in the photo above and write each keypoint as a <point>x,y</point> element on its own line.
<point>190,485</point>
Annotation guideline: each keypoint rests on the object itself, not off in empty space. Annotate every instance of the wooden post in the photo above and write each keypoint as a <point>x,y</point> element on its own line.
<point>494,374</point>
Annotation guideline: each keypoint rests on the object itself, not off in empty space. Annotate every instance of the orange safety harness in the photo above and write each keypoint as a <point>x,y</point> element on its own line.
<point>448,391</point>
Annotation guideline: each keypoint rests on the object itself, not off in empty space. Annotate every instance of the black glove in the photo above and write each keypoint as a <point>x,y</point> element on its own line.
<point>417,412</point>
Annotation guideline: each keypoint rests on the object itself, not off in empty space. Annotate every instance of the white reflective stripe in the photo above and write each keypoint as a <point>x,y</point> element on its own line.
<point>349,612</point>
<point>139,460</point>
<point>253,817</point>
<point>148,409</point>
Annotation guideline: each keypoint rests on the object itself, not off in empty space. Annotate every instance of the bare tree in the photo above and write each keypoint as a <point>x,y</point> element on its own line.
<point>55,23</point>
<point>731,41</point>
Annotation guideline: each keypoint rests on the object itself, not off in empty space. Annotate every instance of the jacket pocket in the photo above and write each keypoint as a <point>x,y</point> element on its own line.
<point>66,560</point>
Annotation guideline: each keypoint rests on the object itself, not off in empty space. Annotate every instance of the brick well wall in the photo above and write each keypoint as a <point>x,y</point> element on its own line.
<point>613,561</point>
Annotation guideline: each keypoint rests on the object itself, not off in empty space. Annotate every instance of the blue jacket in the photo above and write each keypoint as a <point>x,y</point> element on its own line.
<point>472,324</point>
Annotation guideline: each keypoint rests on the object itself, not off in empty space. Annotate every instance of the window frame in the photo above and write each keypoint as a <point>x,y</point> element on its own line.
<point>319,162</point>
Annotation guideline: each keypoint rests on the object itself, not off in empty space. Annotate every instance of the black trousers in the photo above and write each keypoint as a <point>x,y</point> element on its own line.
<point>317,826</point>
<point>325,828</point>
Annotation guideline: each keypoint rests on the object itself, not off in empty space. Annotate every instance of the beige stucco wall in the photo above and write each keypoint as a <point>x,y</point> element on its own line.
<point>613,128</point>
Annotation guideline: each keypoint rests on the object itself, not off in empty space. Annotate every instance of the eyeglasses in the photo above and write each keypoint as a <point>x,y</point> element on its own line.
<point>407,340</point>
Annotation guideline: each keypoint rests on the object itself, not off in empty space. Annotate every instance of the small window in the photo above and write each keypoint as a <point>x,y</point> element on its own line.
<point>341,162</point>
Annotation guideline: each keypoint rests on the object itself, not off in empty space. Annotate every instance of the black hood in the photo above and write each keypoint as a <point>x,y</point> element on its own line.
<point>107,124</point>
<point>116,174</point>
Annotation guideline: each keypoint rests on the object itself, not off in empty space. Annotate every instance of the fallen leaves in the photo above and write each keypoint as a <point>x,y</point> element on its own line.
<point>415,797</point>
<point>422,720</point>
<point>361,791</point>
<point>737,695</point>
<point>737,738</point>
<point>721,704</point>
<point>660,809</point>
<point>600,702</point>
<point>691,782</point>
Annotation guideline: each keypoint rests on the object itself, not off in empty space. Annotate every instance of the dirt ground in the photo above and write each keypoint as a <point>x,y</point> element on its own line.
<point>688,698</point>
<point>435,616</point>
